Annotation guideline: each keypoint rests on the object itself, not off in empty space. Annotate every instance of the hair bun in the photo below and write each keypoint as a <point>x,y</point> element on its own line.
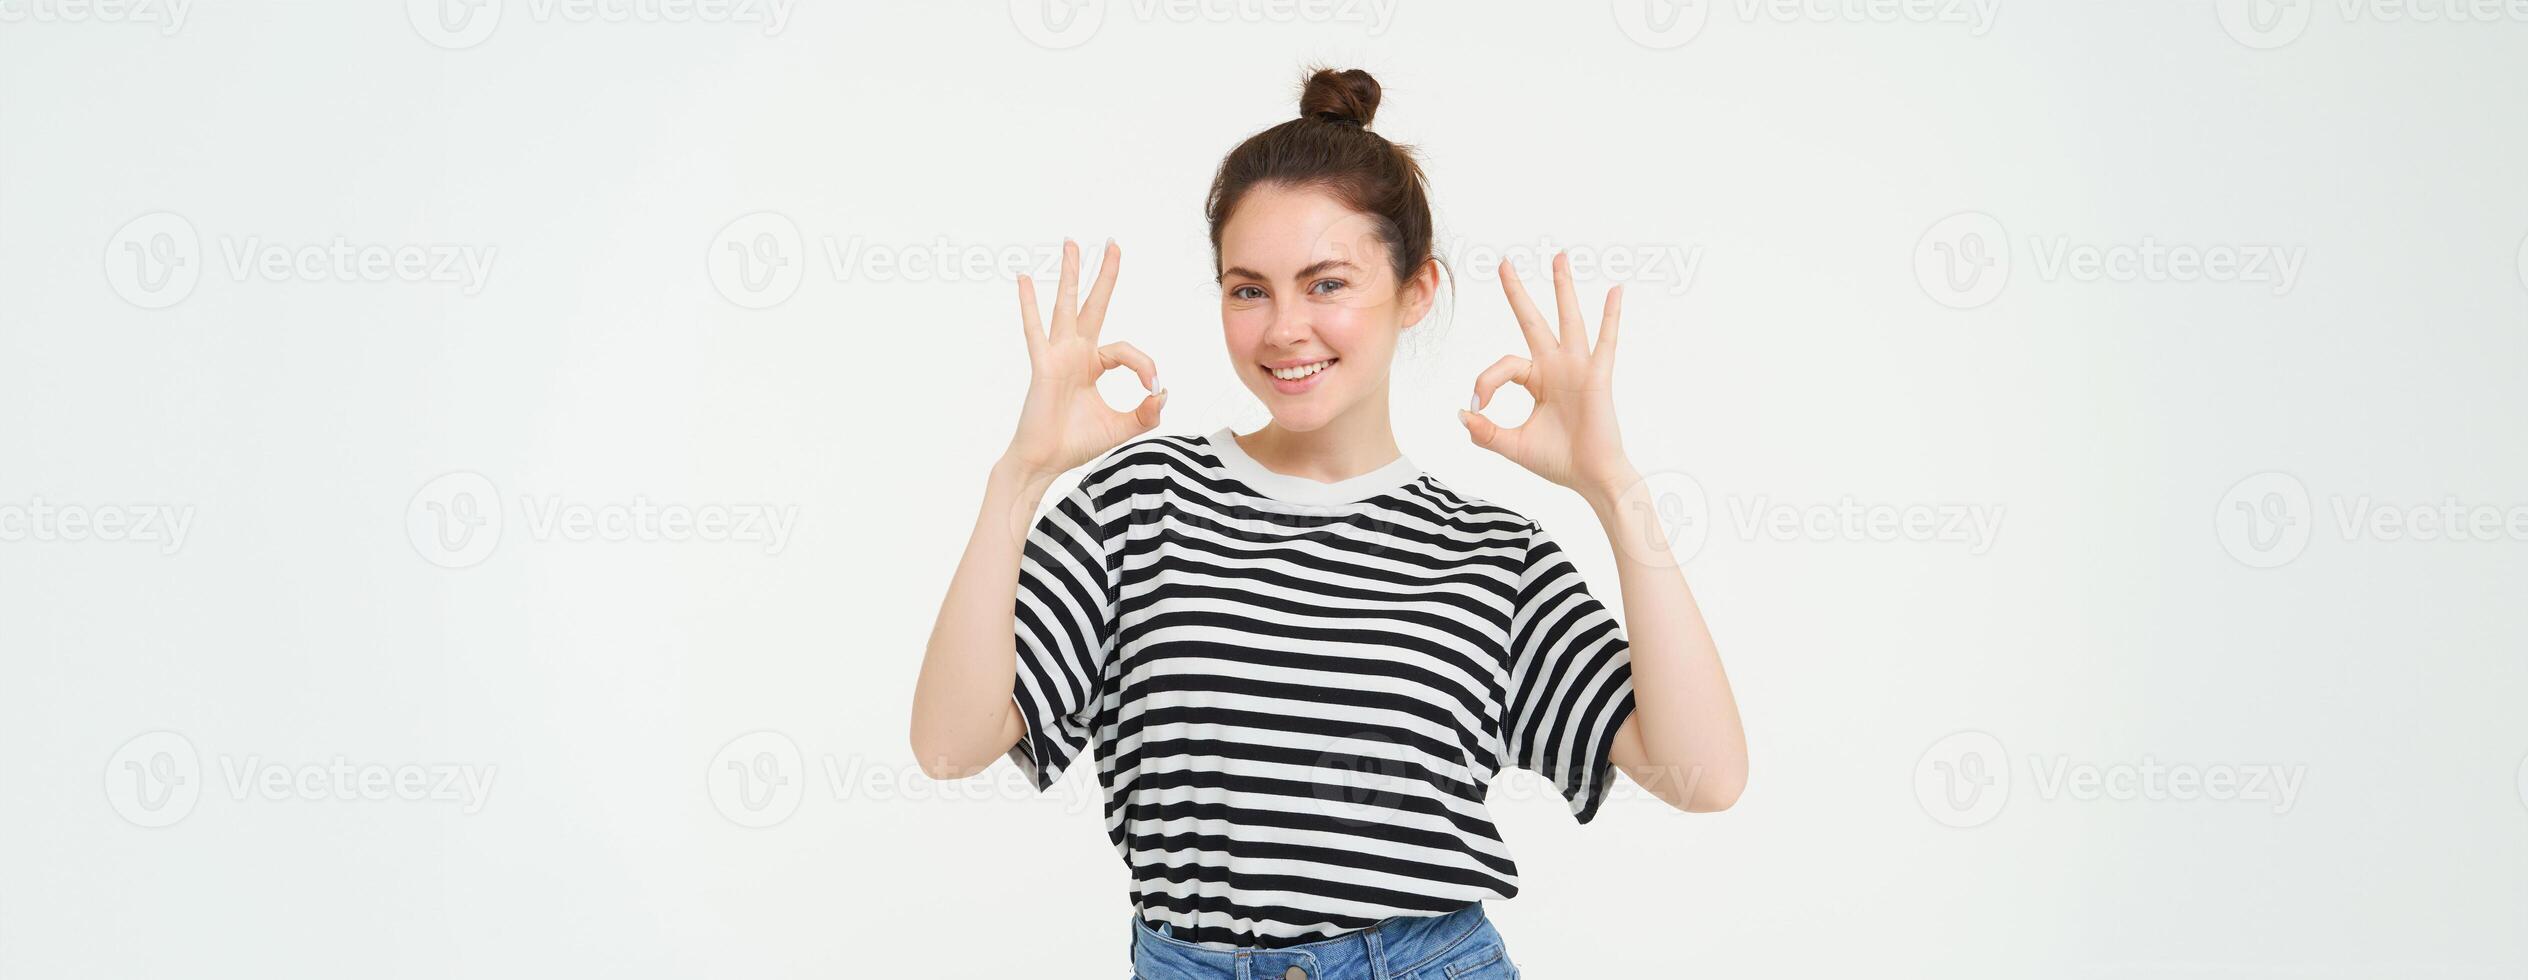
<point>1349,97</point>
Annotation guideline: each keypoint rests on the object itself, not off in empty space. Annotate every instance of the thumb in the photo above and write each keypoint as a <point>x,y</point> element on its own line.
<point>1147,413</point>
<point>1481,429</point>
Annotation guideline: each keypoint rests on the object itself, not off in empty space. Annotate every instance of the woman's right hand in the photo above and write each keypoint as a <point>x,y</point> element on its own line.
<point>1065,422</point>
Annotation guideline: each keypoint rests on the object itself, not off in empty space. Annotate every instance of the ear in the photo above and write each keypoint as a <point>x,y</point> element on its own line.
<point>1420,291</point>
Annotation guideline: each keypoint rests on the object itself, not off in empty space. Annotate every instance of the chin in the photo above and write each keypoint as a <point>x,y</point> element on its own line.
<point>1301,419</point>
<point>1298,414</point>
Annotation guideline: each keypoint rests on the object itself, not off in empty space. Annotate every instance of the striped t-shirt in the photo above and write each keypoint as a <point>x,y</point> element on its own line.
<point>1299,691</point>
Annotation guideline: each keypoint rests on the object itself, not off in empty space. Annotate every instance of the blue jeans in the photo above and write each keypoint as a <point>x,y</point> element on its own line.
<point>1460,945</point>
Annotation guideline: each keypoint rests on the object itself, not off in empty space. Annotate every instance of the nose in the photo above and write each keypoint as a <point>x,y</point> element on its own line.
<point>1290,326</point>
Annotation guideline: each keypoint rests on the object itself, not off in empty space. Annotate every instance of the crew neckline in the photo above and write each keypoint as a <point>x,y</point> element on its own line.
<point>1300,489</point>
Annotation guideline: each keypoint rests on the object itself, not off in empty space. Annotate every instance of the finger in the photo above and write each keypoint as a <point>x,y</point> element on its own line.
<point>1093,312</point>
<point>1531,323</point>
<point>1510,367</point>
<point>1488,434</point>
<point>1066,299</point>
<point>1146,414</point>
<point>1120,354</point>
<point>1575,331</point>
<point>1604,356</point>
<point>1027,318</point>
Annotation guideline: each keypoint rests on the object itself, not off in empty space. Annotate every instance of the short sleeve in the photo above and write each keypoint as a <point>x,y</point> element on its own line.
<point>1064,625</point>
<point>1571,678</point>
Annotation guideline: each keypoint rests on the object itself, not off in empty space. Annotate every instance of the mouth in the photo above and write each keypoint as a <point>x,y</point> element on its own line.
<point>1297,378</point>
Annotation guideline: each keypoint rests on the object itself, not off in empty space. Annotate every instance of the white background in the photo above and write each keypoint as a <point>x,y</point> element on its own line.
<point>2144,603</point>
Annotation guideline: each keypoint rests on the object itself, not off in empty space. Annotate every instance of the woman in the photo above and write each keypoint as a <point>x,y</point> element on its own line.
<point>1301,659</point>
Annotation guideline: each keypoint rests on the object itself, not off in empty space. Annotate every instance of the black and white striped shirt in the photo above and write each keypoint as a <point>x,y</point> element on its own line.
<point>1299,691</point>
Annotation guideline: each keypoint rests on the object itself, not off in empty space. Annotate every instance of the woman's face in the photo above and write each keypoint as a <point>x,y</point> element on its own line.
<point>1309,304</point>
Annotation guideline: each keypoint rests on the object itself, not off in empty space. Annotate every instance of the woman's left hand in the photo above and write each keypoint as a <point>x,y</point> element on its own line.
<point>1570,437</point>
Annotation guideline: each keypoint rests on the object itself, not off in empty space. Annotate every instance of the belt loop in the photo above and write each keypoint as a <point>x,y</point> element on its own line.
<point>1377,954</point>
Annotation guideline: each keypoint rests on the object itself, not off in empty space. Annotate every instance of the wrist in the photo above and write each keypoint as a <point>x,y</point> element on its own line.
<point>1018,478</point>
<point>1607,488</point>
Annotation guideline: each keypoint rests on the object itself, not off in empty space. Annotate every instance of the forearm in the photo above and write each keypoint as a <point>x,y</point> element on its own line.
<point>1684,741</point>
<point>962,715</point>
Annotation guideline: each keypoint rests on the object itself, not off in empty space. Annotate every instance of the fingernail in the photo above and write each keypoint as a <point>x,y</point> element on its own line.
<point>1155,386</point>
<point>1474,403</point>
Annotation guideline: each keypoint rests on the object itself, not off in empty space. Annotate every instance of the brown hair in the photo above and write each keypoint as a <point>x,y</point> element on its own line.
<point>1330,146</point>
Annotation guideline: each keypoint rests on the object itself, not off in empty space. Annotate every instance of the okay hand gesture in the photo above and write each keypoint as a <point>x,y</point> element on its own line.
<point>1065,422</point>
<point>1570,437</point>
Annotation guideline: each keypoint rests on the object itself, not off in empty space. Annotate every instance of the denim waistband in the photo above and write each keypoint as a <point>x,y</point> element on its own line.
<point>1390,948</point>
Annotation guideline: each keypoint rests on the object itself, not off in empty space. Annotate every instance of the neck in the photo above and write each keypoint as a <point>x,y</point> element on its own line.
<point>1353,443</point>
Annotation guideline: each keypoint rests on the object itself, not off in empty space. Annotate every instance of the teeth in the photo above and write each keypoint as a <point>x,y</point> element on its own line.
<point>1304,370</point>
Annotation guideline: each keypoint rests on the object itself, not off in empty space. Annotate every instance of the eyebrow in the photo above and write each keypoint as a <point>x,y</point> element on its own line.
<point>1312,270</point>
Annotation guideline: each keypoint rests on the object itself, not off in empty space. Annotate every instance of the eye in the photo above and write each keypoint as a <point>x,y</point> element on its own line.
<point>1335,284</point>
<point>1247,292</point>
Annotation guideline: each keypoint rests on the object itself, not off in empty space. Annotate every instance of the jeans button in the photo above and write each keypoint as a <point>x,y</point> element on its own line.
<point>1294,973</point>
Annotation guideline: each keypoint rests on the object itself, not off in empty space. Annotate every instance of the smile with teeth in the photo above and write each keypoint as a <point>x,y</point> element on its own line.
<point>1301,371</point>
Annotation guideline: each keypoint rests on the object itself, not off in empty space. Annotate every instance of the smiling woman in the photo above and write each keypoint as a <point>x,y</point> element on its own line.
<point>1301,661</point>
